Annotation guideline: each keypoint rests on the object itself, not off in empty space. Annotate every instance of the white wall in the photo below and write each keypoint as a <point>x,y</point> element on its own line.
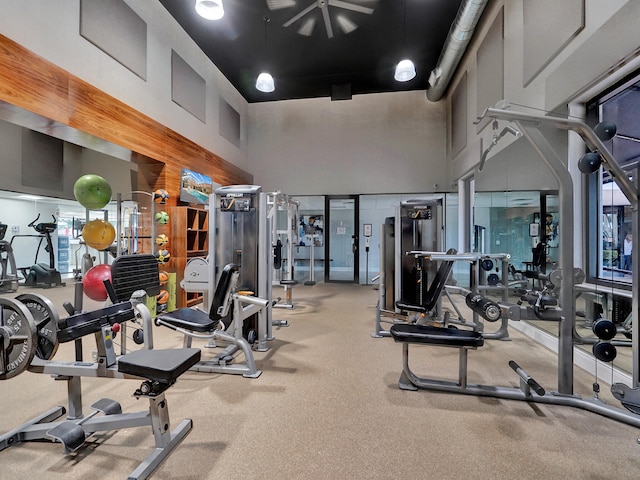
<point>612,23</point>
<point>51,30</point>
<point>378,143</point>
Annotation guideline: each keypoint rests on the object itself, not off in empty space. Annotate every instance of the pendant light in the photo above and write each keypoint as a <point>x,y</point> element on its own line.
<point>210,9</point>
<point>405,70</point>
<point>264,82</point>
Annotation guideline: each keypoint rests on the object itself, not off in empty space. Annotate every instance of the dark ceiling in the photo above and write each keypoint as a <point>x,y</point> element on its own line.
<point>352,50</point>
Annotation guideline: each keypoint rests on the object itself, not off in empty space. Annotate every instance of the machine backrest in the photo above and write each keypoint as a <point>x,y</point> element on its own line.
<point>222,297</point>
<point>437,286</point>
<point>539,255</point>
<point>135,272</point>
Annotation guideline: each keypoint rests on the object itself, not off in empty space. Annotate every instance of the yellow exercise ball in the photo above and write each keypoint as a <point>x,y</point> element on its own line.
<point>98,234</point>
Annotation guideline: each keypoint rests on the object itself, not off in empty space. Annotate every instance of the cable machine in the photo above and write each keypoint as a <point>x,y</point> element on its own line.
<point>283,215</point>
<point>240,233</point>
<point>531,125</point>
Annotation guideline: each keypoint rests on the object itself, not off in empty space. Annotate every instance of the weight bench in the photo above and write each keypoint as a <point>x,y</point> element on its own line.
<point>196,323</point>
<point>463,340</point>
<point>158,369</point>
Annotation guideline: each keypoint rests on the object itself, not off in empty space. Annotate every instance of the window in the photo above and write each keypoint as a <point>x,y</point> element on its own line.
<point>610,215</point>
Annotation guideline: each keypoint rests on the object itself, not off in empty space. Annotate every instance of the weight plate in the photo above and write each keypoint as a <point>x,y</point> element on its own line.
<point>46,317</point>
<point>493,279</point>
<point>487,264</point>
<point>604,351</point>
<point>138,336</point>
<point>555,277</point>
<point>604,329</point>
<point>18,325</point>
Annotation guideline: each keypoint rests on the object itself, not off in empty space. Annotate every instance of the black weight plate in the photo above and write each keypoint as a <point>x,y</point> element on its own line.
<point>604,329</point>
<point>604,351</point>
<point>138,336</point>
<point>46,317</point>
<point>18,346</point>
<point>487,264</point>
<point>493,279</point>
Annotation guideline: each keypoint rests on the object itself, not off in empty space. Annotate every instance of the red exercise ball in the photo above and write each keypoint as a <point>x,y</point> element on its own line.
<point>93,282</point>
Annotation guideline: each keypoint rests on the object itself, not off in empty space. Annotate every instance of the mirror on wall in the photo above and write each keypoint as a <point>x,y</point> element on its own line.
<point>23,213</point>
<point>42,160</point>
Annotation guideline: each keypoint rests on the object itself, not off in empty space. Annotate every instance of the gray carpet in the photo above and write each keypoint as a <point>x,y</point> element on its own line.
<point>327,406</point>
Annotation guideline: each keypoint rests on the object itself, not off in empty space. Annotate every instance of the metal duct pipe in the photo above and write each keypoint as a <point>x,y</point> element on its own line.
<point>456,44</point>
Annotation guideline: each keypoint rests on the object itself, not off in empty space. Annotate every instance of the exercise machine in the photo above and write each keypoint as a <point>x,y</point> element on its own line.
<point>40,274</point>
<point>283,215</point>
<point>532,128</point>
<point>238,215</point>
<point>222,324</point>
<point>8,271</point>
<point>416,225</point>
<point>28,322</point>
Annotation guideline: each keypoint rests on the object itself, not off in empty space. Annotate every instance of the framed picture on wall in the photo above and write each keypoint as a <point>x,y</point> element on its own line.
<point>551,233</point>
<point>311,230</point>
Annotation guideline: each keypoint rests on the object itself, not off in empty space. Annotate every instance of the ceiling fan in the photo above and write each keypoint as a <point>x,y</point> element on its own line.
<point>307,26</point>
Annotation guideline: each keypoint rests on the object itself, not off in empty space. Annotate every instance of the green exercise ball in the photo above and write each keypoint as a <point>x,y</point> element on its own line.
<point>92,191</point>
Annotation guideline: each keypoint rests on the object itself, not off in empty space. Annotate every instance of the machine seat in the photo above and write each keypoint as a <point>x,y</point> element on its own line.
<point>199,321</point>
<point>190,319</point>
<point>446,337</point>
<point>163,366</point>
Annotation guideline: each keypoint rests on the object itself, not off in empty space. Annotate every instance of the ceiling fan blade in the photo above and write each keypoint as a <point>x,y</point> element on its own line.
<point>301,14</point>
<point>327,21</point>
<point>278,4</point>
<point>307,27</point>
<point>346,25</point>
<point>351,6</point>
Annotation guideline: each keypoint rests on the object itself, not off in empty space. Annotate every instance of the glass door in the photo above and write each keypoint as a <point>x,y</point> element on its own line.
<point>341,239</point>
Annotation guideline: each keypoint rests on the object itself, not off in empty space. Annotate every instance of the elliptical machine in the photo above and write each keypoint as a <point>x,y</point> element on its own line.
<point>8,271</point>
<point>40,274</point>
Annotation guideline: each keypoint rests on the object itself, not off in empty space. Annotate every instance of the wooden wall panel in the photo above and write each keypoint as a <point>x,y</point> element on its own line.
<point>30,82</point>
<point>227,174</point>
<point>94,112</point>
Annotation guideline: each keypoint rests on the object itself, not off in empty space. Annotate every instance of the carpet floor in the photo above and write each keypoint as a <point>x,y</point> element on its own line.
<point>327,406</point>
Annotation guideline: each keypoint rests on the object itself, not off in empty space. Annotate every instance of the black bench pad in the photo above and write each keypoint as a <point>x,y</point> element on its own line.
<point>448,337</point>
<point>164,366</point>
<point>85,323</point>
<point>411,307</point>
<point>189,319</point>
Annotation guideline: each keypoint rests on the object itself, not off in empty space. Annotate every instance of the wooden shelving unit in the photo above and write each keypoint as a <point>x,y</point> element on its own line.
<point>189,239</point>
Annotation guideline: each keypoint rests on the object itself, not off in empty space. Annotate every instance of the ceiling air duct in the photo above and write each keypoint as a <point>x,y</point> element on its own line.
<point>456,44</point>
